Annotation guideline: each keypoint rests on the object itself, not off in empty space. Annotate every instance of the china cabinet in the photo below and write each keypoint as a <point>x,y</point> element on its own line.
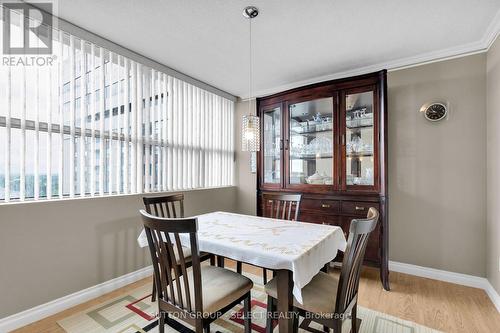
<point>328,141</point>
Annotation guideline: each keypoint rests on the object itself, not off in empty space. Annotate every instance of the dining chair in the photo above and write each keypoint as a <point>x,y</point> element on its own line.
<point>171,206</point>
<point>328,299</point>
<point>198,294</point>
<point>279,206</point>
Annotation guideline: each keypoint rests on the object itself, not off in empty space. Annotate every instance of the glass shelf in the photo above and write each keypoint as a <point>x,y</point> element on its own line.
<point>310,157</point>
<point>312,129</point>
<point>370,154</point>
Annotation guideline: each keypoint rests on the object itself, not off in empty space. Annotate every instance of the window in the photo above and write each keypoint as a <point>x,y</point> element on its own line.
<point>97,123</point>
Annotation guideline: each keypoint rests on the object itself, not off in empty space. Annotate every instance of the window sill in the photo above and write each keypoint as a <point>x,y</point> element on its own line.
<point>107,196</point>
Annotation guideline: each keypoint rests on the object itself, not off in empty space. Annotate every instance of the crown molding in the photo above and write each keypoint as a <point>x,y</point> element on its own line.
<point>480,46</point>
<point>492,32</point>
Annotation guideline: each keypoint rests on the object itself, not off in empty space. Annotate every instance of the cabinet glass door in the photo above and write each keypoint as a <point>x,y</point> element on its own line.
<point>272,146</point>
<point>359,135</point>
<point>311,147</point>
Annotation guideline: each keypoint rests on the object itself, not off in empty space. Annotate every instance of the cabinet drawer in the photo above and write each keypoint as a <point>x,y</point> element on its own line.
<point>324,206</point>
<point>358,208</point>
<point>372,253</point>
<point>320,219</point>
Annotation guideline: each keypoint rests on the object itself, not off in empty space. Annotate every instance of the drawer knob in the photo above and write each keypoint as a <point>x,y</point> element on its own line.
<point>325,206</point>
<point>360,208</point>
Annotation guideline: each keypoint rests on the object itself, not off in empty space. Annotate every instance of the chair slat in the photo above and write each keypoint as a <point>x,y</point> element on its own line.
<point>183,268</point>
<point>281,206</point>
<point>175,270</point>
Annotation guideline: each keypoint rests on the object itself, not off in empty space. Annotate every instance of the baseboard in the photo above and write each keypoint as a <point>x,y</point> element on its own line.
<point>452,277</point>
<point>29,316</point>
<point>45,310</point>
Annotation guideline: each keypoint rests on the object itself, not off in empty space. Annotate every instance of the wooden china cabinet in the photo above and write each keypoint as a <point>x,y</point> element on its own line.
<point>328,141</point>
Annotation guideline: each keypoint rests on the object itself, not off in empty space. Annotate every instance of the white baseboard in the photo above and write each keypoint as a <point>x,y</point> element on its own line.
<point>452,277</point>
<point>44,310</point>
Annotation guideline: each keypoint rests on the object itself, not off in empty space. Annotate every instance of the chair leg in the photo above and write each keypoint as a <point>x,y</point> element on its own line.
<point>354,319</point>
<point>248,315</point>
<point>161,324</point>
<point>153,294</point>
<point>264,276</point>
<point>337,326</point>
<point>239,267</point>
<point>220,261</point>
<point>295,322</point>
<point>269,319</point>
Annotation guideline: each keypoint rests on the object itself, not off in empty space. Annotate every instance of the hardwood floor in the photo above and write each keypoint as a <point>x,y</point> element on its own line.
<point>439,305</point>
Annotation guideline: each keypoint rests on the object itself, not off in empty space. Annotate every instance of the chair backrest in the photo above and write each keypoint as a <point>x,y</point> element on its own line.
<point>171,206</point>
<point>359,232</point>
<point>163,235</point>
<point>281,206</point>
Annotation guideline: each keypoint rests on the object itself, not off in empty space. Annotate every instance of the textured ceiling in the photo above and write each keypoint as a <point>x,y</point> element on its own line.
<point>295,41</point>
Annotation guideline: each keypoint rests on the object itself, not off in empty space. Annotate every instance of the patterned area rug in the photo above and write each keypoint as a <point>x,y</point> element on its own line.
<point>135,312</point>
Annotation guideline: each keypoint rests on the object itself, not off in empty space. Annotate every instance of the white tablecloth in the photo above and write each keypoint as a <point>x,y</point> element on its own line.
<point>303,248</point>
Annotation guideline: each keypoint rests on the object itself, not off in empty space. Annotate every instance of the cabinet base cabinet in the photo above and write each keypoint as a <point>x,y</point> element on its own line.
<point>340,211</point>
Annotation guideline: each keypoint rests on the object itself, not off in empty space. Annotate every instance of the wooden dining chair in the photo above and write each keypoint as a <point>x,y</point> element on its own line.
<point>171,206</point>
<point>327,299</point>
<point>277,206</point>
<point>198,294</point>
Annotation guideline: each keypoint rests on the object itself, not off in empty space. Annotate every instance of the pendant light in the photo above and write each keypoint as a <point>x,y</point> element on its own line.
<point>250,140</point>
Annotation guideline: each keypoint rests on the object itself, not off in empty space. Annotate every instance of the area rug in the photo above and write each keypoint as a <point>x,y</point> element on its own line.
<point>135,313</point>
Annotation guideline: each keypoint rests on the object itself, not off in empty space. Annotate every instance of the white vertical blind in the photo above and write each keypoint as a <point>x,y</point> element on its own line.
<point>140,135</point>
<point>102,123</point>
<point>127,137</point>
<point>92,114</point>
<point>109,145</point>
<point>60,115</point>
<point>99,123</point>
<point>8,141</point>
<point>83,122</point>
<point>120,125</point>
<point>48,112</point>
<point>22,190</point>
<point>72,116</point>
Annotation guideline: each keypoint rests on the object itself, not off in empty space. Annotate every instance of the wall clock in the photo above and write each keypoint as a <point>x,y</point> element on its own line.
<point>434,111</point>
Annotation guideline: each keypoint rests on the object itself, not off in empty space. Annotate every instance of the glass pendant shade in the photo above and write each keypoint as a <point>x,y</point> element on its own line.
<point>250,133</point>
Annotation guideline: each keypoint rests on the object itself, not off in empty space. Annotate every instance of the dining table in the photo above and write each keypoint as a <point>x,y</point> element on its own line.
<point>295,251</point>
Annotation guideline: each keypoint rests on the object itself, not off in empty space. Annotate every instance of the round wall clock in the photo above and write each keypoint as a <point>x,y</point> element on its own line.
<point>434,111</point>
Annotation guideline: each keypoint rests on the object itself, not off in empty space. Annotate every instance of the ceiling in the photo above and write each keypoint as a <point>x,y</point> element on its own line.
<point>294,41</point>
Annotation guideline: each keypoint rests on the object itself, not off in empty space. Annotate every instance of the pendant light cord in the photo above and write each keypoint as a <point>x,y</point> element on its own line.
<point>250,69</point>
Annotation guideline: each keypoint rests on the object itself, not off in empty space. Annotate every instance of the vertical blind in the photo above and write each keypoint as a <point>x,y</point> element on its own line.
<point>96,123</point>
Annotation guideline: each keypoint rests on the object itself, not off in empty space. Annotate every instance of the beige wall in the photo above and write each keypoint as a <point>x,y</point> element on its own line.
<point>52,249</point>
<point>437,181</point>
<point>493,174</point>
<point>246,193</point>
<point>437,171</point>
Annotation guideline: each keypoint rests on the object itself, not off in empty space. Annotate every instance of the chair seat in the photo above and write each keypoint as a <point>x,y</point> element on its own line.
<point>187,254</point>
<point>186,251</point>
<point>220,287</point>
<point>319,295</point>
